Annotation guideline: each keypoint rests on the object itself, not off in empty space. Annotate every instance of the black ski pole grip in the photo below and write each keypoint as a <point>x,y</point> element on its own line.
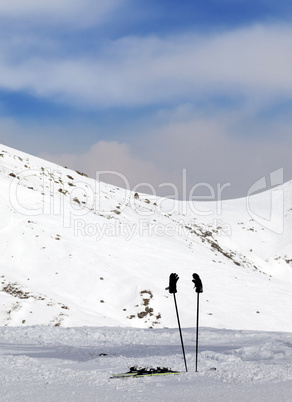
<point>198,283</point>
<point>173,278</point>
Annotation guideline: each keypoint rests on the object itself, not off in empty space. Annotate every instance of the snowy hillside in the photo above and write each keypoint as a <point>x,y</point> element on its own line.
<point>79,252</point>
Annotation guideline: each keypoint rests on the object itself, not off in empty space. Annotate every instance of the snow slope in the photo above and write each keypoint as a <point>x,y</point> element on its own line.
<point>79,252</point>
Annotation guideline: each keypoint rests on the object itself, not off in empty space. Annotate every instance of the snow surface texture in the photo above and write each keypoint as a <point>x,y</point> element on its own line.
<point>75,251</point>
<point>75,364</point>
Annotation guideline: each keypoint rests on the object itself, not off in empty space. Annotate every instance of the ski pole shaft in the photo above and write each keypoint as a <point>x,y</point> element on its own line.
<point>181,338</point>
<point>197,332</point>
<point>199,289</point>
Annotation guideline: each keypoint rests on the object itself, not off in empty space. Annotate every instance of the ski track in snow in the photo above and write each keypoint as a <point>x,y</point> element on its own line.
<point>48,364</point>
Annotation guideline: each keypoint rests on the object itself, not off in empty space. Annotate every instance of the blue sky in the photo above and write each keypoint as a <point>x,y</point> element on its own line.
<point>148,88</point>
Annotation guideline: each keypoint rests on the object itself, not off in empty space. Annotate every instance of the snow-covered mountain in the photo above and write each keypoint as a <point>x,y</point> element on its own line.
<point>79,252</point>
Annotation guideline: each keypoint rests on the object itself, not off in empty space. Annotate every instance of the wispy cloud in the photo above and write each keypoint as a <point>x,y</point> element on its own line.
<point>253,63</point>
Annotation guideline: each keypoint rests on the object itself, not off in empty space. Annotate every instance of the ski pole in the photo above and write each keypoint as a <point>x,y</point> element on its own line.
<point>199,289</point>
<point>173,278</point>
<point>181,338</point>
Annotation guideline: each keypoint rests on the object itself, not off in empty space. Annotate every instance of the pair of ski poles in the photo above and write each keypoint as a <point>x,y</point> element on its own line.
<point>173,278</point>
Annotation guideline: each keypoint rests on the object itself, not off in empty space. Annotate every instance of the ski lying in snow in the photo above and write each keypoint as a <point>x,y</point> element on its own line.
<point>136,372</point>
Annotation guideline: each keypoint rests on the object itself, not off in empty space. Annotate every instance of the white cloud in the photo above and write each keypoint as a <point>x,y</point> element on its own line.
<point>254,63</point>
